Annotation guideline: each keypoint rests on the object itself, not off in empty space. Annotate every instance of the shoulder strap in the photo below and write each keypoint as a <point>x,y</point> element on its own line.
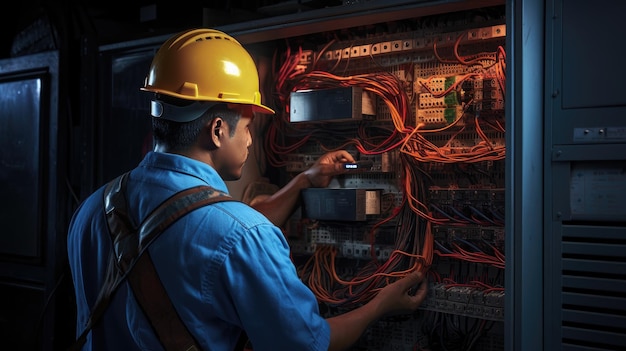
<point>129,250</point>
<point>144,280</point>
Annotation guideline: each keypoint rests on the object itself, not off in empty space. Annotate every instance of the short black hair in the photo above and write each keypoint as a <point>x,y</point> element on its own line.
<point>180,136</point>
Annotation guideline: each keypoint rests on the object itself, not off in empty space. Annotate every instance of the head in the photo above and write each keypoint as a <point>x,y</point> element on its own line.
<point>220,137</point>
<point>205,82</point>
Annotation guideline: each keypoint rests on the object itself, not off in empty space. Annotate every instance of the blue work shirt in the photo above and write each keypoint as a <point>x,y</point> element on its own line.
<point>225,266</point>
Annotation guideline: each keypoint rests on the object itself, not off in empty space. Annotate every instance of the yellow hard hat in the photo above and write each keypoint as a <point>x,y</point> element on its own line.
<point>205,65</point>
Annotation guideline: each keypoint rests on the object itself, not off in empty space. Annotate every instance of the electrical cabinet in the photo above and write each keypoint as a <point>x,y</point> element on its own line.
<point>585,227</point>
<point>425,88</point>
<point>496,145</point>
<point>496,150</point>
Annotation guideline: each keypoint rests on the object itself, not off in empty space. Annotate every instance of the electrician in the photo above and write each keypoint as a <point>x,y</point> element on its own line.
<point>226,267</point>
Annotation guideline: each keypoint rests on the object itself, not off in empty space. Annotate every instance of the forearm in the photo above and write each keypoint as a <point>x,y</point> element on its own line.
<point>347,328</point>
<point>280,206</point>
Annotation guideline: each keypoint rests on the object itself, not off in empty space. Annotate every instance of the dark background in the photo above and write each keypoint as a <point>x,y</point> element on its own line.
<point>25,22</point>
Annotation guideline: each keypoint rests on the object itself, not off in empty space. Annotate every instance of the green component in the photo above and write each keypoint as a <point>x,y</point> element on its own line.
<point>449,82</point>
<point>450,100</point>
<point>450,115</point>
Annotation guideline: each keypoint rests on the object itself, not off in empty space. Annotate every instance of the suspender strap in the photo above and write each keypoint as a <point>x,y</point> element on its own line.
<point>129,259</point>
<point>174,208</point>
<point>156,305</point>
<point>144,280</point>
<point>113,276</point>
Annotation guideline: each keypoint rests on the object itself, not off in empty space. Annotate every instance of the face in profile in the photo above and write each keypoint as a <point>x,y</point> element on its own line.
<point>234,148</point>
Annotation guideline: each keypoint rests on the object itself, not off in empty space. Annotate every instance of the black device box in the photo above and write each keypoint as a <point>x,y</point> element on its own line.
<point>340,204</point>
<point>327,105</point>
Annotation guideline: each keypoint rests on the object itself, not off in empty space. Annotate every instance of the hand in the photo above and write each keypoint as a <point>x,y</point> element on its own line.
<point>326,167</point>
<point>404,295</point>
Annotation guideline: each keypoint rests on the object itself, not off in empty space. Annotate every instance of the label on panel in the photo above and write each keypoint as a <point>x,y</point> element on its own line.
<point>597,191</point>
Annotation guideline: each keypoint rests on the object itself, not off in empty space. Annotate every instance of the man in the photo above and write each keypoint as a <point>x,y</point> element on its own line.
<point>226,266</point>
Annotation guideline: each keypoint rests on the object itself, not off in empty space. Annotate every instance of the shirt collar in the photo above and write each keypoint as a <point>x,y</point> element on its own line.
<point>185,165</point>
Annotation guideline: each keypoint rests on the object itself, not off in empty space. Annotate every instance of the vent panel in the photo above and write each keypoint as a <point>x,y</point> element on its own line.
<point>593,288</point>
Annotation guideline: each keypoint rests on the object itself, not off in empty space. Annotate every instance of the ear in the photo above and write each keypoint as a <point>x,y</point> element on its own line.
<point>216,130</point>
<point>211,133</point>
<point>217,125</point>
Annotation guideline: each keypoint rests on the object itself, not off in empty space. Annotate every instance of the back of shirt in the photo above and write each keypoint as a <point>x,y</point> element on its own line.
<point>88,251</point>
<point>225,268</point>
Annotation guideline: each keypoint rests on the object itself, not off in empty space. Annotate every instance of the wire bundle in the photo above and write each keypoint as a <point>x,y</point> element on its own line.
<point>414,246</point>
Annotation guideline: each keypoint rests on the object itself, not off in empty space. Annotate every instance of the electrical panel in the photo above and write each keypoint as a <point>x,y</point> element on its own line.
<point>432,197</point>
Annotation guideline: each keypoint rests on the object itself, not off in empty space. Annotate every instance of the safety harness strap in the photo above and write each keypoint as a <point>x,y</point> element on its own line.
<point>130,260</point>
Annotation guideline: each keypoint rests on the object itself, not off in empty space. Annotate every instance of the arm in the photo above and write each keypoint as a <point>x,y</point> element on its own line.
<point>347,328</point>
<point>280,206</point>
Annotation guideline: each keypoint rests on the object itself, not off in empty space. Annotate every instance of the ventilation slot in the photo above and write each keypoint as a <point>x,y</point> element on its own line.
<point>593,288</point>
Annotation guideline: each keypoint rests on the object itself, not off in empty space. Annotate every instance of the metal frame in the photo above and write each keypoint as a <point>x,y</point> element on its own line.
<point>524,173</point>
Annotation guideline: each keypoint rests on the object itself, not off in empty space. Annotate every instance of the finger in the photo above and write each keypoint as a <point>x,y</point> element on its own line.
<point>342,156</point>
<point>412,279</point>
<point>347,157</point>
<point>339,168</point>
<point>422,291</point>
<point>416,285</point>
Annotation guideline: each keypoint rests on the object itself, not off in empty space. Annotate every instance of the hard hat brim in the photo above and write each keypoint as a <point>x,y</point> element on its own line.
<point>263,109</point>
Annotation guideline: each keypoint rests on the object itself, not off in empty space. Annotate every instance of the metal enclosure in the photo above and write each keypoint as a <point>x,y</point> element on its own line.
<point>123,67</point>
<point>585,177</point>
<point>524,269</point>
